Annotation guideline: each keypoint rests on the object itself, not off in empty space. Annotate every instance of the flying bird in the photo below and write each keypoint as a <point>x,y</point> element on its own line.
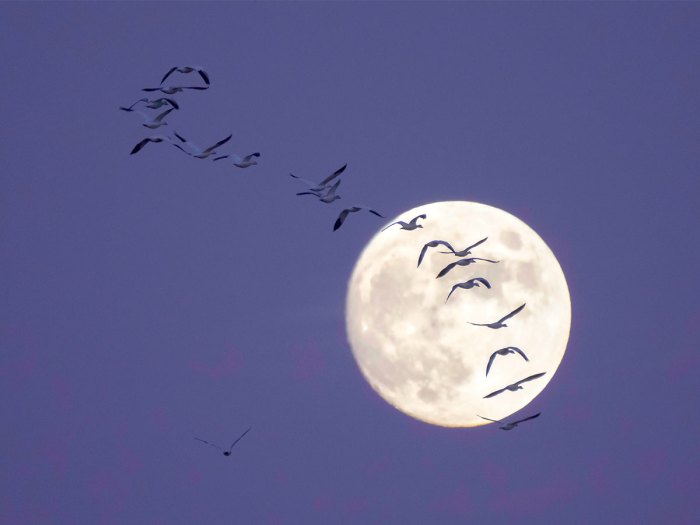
<point>225,452</point>
<point>432,244</point>
<point>471,283</point>
<point>145,141</point>
<point>187,69</point>
<point>344,214</point>
<point>515,386</point>
<point>325,183</point>
<point>512,424</point>
<point>153,104</point>
<point>154,122</point>
<point>171,90</point>
<point>327,197</point>
<point>461,262</point>
<point>196,151</point>
<point>500,324</point>
<point>411,225</point>
<point>505,351</point>
<point>467,250</point>
<point>241,162</point>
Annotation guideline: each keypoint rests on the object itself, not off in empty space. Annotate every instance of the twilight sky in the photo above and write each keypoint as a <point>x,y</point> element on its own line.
<point>147,299</point>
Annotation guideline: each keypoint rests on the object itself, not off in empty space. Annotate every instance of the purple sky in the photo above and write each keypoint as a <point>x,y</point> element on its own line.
<point>147,299</point>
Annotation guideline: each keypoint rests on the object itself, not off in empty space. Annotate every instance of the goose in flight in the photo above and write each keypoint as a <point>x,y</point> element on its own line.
<point>225,452</point>
<point>187,69</point>
<point>344,214</point>
<point>500,324</point>
<point>154,122</point>
<point>461,262</point>
<point>327,197</point>
<point>241,162</point>
<point>171,90</point>
<point>153,104</point>
<point>196,151</point>
<point>432,244</point>
<point>512,424</point>
<point>324,184</point>
<point>505,351</point>
<point>467,250</point>
<point>515,386</point>
<point>145,141</point>
<point>471,283</point>
<point>411,225</point>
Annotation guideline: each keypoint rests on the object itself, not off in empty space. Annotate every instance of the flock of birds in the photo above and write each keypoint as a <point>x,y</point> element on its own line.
<point>476,282</point>
<point>326,192</point>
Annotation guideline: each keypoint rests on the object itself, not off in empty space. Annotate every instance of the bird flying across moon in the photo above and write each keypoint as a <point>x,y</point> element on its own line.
<point>505,351</point>
<point>411,225</point>
<point>500,324</point>
<point>228,451</point>
<point>432,244</point>
<point>512,424</point>
<point>515,386</point>
<point>471,283</point>
<point>462,262</point>
<point>468,249</point>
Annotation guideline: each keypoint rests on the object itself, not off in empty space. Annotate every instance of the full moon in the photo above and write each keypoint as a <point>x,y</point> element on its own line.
<point>419,351</point>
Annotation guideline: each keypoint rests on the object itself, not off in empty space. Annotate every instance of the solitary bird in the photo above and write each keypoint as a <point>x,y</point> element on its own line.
<point>154,122</point>
<point>325,183</point>
<point>505,351</point>
<point>500,324</point>
<point>432,244</point>
<point>171,90</point>
<point>515,386</point>
<point>327,197</point>
<point>153,104</point>
<point>187,69</point>
<point>241,162</point>
<point>467,250</point>
<point>344,214</point>
<point>412,225</point>
<point>512,424</point>
<point>461,262</point>
<point>145,141</point>
<point>196,151</point>
<point>471,283</point>
<point>225,452</point>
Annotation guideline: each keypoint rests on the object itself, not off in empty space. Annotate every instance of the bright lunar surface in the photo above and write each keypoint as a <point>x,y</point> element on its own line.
<point>419,352</point>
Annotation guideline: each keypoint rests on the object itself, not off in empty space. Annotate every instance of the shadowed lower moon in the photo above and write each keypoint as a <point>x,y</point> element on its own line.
<point>421,354</point>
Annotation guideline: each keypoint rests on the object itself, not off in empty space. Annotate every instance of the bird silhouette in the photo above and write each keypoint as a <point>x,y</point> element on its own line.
<point>512,424</point>
<point>515,386</point>
<point>152,104</point>
<point>411,225</point>
<point>196,151</point>
<point>505,351</point>
<point>344,214</point>
<point>500,324</point>
<point>241,162</point>
<point>140,145</point>
<point>471,283</point>
<point>467,250</point>
<point>324,184</point>
<point>187,69</point>
<point>431,244</point>
<point>225,452</point>
<point>327,197</point>
<point>461,262</point>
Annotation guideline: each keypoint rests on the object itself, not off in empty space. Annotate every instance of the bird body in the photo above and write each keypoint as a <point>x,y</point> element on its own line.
<point>196,151</point>
<point>241,162</point>
<point>409,226</point>
<point>515,386</point>
<point>505,351</point>
<point>467,250</point>
<point>344,214</point>
<point>500,324</point>
<point>471,283</point>
<point>462,262</point>
<point>512,424</point>
<point>187,69</point>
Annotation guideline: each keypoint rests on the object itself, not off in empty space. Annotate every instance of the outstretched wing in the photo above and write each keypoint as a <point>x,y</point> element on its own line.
<point>204,76</point>
<point>488,366</point>
<point>220,157</point>
<point>526,419</point>
<point>415,219</point>
<point>495,393</point>
<point>492,420</point>
<point>131,108</point>
<point>530,378</point>
<point>220,143</point>
<point>433,244</point>
<point>514,312</point>
<point>163,115</point>
<point>210,444</point>
<point>481,280</point>
<point>341,218</point>
<point>332,176</point>
<point>398,222</point>
<point>469,248</point>
<point>170,71</point>
<point>458,285</point>
<point>239,438</point>
<point>516,349</point>
<point>447,268</point>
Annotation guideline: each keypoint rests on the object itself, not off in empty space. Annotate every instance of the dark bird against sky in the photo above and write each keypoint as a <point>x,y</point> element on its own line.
<point>512,424</point>
<point>344,214</point>
<point>504,351</point>
<point>153,104</point>
<point>196,151</point>
<point>225,452</point>
<point>515,386</point>
<point>325,183</point>
<point>327,197</point>
<point>411,225</point>
<point>187,69</point>
<point>500,324</point>
<point>140,145</point>
<point>471,283</point>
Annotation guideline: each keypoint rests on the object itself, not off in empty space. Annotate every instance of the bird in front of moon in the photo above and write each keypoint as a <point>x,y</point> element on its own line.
<point>505,351</point>
<point>410,225</point>
<point>512,424</point>
<point>226,452</point>
<point>471,283</point>
<point>518,385</point>
<point>462,262</point>
<point>500,324</point>
<point>420,354</point>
